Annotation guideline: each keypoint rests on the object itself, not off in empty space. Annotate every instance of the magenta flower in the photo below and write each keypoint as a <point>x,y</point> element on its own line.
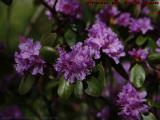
<point>140,54</point>
<point>28,58</point>
<point>158,45</point>
<point>69,7</point>
<point>123,19</point>
<point>75,65</point>
<point>102,37</point>
<point>140,25</point>
<point>132,103</point>
<point>107,12</point>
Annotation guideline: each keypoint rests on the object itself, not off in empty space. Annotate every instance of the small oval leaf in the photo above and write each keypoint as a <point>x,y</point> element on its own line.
<point>94,88</point>
<point>49,39</point>
<point>150,116</point>
<point>101,76</point>
<point>154,57</point>
<point>70,37</point>
<point>78,89</point>
<point>137,75</point>
<point>141,40</point>
<point>26,84</point>
<point>48,54</point>
<point>65,89</point>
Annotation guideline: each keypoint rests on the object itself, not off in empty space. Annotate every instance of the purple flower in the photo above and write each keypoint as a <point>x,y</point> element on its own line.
<point>102,37</point>
<point>158,45</point>
<point>145,10</point>
<point>107,12</point>
<point>75,65</point>
<point>140,54</point>
<point>132,103</point>
<point>123,19</point>
<point>28,58</point>
<point>69,7</point>
<point>104,114</point>
<point>11,113</point>
<point>140,25</point>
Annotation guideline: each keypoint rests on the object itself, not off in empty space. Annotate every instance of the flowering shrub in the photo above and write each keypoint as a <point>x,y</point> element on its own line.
<point>73,60</point>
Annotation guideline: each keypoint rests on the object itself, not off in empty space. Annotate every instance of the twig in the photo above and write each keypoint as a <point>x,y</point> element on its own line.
<point>47,6</point>
<point>52,10</point>
<point>33,20</point>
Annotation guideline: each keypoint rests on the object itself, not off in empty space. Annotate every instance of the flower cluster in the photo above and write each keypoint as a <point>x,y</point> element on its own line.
<point>67,7</point>
<point>132,102</point>
<point>123,19</point>
<point>75,65</point>
<point>107,12</point>
<point>135,25</point>
<point>28,58</point>
<point>140,25</point>
<point>140,54</point>
<point>102,37</point>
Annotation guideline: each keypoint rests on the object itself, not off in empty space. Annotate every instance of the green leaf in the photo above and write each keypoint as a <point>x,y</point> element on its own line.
<point>101,76</point>
<point>154,57</point>
<point>154,104</point>
<point>40,106</point>
<point>51,84</point>
<point>7,2</point>
<point>94,88</point>
<point>70,37</point>
<point>49,39</point>
<point>137,75</point>
<point>65,89</point>
<point>78,89</point>
<point>150,116</point>
<point>48,54</point>
<point>151,44</point>
<point>26,84</point>
<point>141,40</point>
<point>96,84</point>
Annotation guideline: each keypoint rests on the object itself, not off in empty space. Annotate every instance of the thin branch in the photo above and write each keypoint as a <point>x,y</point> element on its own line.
<point>52,10</point>
<point>33,20</point>
<point>54,6</point>
<point>47,6</point>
